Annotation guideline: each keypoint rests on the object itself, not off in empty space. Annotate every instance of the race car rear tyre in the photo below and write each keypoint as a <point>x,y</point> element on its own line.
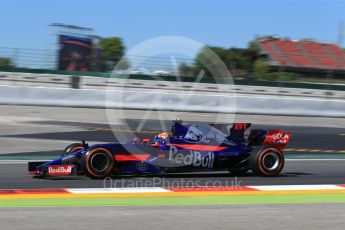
<point>72,148</point>
<point>266,161</point>
<point>97,163</point>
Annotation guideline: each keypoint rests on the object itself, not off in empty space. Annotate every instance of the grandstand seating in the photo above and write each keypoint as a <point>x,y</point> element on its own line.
<point>276,56</point>
<point>302,60</point>
<point>314,49</point>
<point>336,51</point>
<point>303,54</point>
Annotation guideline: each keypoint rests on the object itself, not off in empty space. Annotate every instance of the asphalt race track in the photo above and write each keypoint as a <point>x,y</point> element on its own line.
<point>315,154</point>
<point>250,216</point>
<point>14,176</point>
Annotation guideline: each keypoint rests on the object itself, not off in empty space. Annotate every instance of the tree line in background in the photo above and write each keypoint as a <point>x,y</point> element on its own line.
<point>6,62</point>
<point>113,51</point>
<point>242,63</point>
<point>238,61</point>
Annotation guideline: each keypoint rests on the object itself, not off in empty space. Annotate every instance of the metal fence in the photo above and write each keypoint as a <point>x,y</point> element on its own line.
<point>48,59</point>
<point>30,58</point>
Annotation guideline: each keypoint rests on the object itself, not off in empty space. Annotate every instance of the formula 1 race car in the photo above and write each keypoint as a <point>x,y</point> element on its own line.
<point>189,147</point>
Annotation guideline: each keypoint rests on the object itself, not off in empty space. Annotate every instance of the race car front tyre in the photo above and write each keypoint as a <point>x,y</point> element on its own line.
<point>72,148</point>
<point>266,161</point>
<point>97,163</point>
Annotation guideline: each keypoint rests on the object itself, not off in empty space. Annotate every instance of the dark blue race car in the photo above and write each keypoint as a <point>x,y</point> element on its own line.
<point>189,147</point>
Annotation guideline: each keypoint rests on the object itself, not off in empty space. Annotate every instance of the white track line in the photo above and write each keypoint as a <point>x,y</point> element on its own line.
<point>118,190</point>
<point>167,190</point>
<point>296,187</point>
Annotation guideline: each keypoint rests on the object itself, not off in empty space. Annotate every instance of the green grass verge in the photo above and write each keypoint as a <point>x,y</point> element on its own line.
<point>198,200</point>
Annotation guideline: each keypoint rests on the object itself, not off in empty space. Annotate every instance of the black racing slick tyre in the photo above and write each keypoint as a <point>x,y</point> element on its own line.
<point>72,148</point>
<point>266,161</point>
<point>97,163</point>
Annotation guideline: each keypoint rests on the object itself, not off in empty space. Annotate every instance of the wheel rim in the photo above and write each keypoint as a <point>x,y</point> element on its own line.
<point>100,162</point>
<point>270,161</point>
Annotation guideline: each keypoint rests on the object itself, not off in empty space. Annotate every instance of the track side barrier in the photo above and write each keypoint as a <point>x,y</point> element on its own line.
<point>249,104</point>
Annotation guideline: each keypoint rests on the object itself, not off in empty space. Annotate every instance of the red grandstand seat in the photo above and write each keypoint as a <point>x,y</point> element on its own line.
<point>340,54</point>
<point>330,63</point>
<point>287,46</point>
<point>305,54</point>
<point>302,61</point>
<point>315,49</point>
<point>274,54</point>
<point>295,54</point>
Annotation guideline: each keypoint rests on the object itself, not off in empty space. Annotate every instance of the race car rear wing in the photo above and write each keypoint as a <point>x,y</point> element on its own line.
<point>277,138</point>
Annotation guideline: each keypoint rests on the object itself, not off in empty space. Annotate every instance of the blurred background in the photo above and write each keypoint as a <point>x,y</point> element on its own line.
<point>286,42</point>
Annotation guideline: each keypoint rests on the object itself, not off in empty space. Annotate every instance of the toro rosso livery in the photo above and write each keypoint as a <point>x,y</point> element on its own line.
<point>189,147</point>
